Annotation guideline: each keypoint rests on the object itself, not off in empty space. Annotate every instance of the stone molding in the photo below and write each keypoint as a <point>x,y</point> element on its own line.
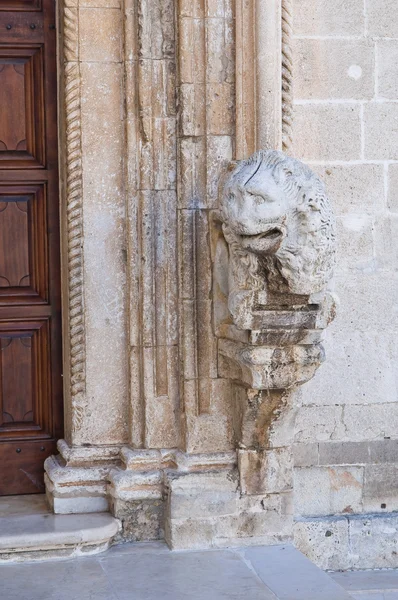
<point>287,76</point>
<point>75,343</point>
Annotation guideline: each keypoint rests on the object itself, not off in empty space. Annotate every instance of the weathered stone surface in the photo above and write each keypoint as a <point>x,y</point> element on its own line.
<point>380,493</point>
<point>324,541</point>
<point>381,130</point>
<point>332,69</point>
<point>354,188</point>
<point>387,85</point>
<point>159,99</point>
<point>382,20</point>
<point>328,491</point>
<point>393,187</point>
<point>141,520</point>
<point>334,133</point>
<point>305,455</point>
<point>320,17</point>
<point>102,25</point>
<point>373,542</point>
<point>265,471</point>
<point>281,201</point>
<point>345,453</point>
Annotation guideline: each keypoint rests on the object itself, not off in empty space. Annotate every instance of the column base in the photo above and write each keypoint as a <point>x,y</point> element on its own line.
<point>191,501</point>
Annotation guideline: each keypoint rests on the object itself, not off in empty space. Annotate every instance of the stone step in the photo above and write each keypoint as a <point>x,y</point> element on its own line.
<point>40,536</point>
<point>292,576</point>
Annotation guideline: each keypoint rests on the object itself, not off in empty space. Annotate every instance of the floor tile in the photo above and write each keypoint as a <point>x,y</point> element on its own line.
<point>32,504</point>
<point>80,579</point>
<point>367,580</point>
<point>218,575</point>
<point>291,575</point>
<point>368,596</point>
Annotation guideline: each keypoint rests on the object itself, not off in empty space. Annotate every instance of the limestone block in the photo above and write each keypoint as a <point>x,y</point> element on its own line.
<point>251,527</point>
<point>327,132</point>
<point>79,456</point>
<point>356,247</point>
<point>327,491</point>
<point>192,36</point>
<point>131,485</point>
<point>321,17</point>
<point>357,189</point>
<point>219,154</point>
<point>305,455</point>
<point>243,529</point>
<point>199,495</point>
<point>387,82</point>
<point>393,188</point>
<point>192,8</point>
<point>324,541</point>
<point>100,3</point>
<point>193,109</point>
<point>318,423</point>
<point>217,62</point>
<point>201,503</point>
<point>383,451</point>
<point>162,425</point>
<point>104,26</point>
<point>104,258</point>
<point>381,130</point>
<point>344,453</point>
<point>359,294</point>
<point>209,433</point>
<point>381,488</point>
<point>368,375</point>
<point>371,422</point>
<point>192,180</point>
<point>386,250</point>
<point>330,69</point>
<point>221,98</point>
<point>265,471</point>
<point>382,18</point>
<point>373,542</point>
<point>141,520</point>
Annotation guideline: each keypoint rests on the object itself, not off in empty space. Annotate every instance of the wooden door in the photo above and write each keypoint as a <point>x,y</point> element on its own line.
<point>30,320</point>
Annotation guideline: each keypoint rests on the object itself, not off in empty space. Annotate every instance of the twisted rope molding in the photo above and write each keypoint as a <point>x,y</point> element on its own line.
<point>287,75</point>
<point>74,216</point>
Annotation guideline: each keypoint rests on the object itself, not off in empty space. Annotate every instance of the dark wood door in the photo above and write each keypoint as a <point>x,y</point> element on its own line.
<point>30,320</point>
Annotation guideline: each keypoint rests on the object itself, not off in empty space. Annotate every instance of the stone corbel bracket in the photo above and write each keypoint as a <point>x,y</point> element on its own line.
<point>278,248</point>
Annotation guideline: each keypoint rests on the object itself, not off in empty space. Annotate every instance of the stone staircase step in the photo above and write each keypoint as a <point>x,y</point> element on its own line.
<point>39,536</point>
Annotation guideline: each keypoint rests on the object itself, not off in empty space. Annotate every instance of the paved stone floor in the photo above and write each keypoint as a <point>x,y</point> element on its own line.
<point>152,572</point>
<point>369,585</point>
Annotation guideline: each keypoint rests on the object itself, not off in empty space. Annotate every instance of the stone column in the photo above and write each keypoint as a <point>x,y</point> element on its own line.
<point>94,226</point>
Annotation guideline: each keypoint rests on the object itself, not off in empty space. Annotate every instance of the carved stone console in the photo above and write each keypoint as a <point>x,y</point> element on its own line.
<point>278,226</point>
<point>274,253</point>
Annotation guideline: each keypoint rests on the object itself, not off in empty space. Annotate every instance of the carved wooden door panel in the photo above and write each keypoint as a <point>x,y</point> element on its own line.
<point>30,320</point>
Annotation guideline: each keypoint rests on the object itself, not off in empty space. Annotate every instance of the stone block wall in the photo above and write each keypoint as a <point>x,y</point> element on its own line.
<point>346,127</point>
<point>159,96</point>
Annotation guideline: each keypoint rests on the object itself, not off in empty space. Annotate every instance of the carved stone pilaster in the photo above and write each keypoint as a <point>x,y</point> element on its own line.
<point>74,216</point>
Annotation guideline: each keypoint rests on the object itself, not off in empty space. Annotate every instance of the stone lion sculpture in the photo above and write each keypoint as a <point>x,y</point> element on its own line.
<point>279,225</point>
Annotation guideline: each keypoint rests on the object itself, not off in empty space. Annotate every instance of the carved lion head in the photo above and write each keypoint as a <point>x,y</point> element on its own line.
<point>276,208</point>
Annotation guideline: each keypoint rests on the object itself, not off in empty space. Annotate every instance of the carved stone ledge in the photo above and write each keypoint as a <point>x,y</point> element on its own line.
<point>268,367</point>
